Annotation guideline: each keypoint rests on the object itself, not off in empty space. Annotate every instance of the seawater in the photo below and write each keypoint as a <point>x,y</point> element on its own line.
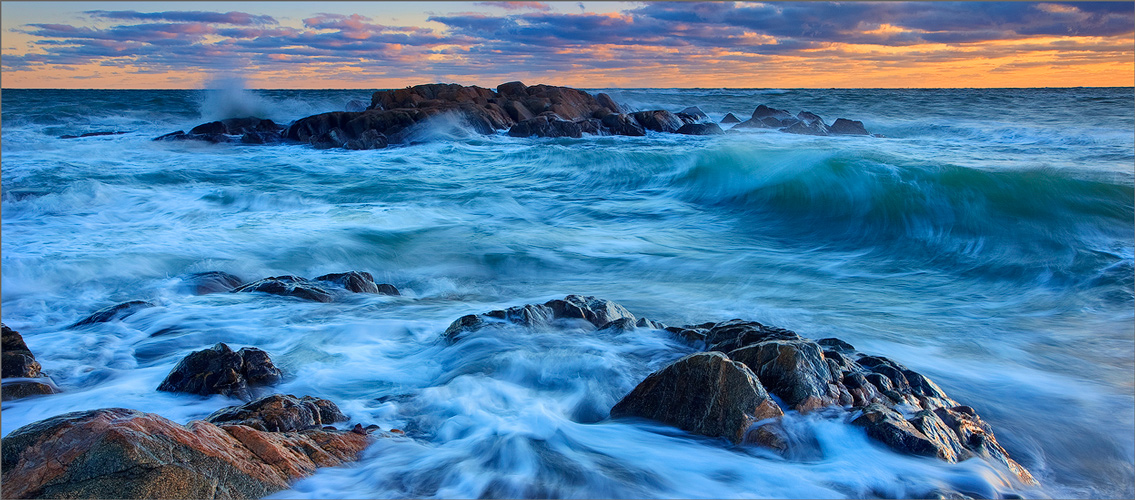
<point>986,241</point>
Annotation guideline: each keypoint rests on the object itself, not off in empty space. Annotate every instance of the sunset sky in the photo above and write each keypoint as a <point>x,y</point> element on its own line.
<point>582,44</point>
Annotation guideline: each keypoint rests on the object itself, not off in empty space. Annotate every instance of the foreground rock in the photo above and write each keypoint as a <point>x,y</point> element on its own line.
<point>720,393</point>
<point>219,370</point>
<point>22,374</point>
<point>704,393</point>
<point>121,453</point>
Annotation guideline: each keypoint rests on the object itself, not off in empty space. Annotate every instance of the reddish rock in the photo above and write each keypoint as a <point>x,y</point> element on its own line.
<point>280,413</point>
<point>120,453</point>
<point>17,360</point>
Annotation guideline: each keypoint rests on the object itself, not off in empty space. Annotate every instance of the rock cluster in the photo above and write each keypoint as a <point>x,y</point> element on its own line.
<point>121,453</point>
<point>24,374</point>
<point>316,290</point>
<point>220,370</point>
<point>724,391</point>
<point>522,110</point>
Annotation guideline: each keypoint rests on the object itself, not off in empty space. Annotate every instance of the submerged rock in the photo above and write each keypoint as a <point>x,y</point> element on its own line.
<point>704,393</point>
<point>90,134</point>
<point>359,282</point>
<point>213,282</point>
<point>280,413</point>
<point>288,286</point>
<point>599,312</point>
<point>121,453</point>
<point>251,130</point>
<point>118,311</point>
<point>219,370</point>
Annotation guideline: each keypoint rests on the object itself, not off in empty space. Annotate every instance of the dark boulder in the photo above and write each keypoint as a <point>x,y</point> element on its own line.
<point>658,120</point>
<point>18,361</point>
<point>730,118</point>
<point>212,282</point>
<point>288,286</point>
<point>595,310</point>
<point>251,129</point>
<point>753,123</point>
<point>219,370</point>
<point>620,325</point>
<point>703,393</point>
<point>518,111</point>
<point>356,105</point>
<point>695,112</point>
<point>20,388</point>
<point>735,333</point>
<point>359,282</point>
<point>700,129</point>
<point>808,124</point>
<point>598,312</point>
<point>622,124</point>
<point>608,103</point>
<point>546,126</point>
<point>117,311</point>
<point>763,111</point>
<point>280,413</point>
<point>794,370</point>
<point>650,324</point>
<point>120,453</point>
<point>848,127</point>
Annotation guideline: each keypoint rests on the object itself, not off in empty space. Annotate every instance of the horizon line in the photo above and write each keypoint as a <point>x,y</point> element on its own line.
<point>619,88</point>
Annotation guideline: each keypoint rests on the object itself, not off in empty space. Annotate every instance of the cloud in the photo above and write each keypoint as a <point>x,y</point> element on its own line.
<point>676,38</point>
<point>238,18</point>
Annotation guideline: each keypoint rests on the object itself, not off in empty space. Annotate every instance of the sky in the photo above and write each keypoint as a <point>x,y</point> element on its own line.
<point>374,45</point>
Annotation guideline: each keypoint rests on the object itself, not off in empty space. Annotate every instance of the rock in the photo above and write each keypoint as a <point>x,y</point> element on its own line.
<point>606,102</point>
<point>620,325</point>
<point>368,139</point>
<point>356,105</point>
<point>213,282</point>
<point>219,370</point>
<point>118,311</point>
<point>280,413</point>
<point>794,370</point>
<point>598,312</point>
<point>13,389</point>
<point>622,124</point>
<point>730,118</point>
<point>848,127</point>
<point>836,344</point>
<point>289,286</point>
<point>695,112</point>
<point>358,282</point>
<point>734,334</point>
<point>18,361</point>
<point>90,134</point>
<point>120,453</point>
<point>763,111</point>
<point>808,124</point>
<point>546,126</point>
<point>658,120</point>
<point>753,123</point>
<point>251,129</point>
<point>703,393</point>
<point>653,325</point>
<point>518,111</point>
<point>260,137</point>
<point>700,129</point>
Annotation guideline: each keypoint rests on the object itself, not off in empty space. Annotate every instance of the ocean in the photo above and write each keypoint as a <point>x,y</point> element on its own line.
<point>986,241</point>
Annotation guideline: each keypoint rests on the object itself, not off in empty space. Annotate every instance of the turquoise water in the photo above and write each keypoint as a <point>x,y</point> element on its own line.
<point>987,241</point>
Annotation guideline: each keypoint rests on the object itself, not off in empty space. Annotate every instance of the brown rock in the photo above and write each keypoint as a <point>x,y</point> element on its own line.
<point>704,393</point>
<point>794,370</point>
<point>120,453</point>
<point>13,389</point>
<point>280,413</point>
<point>17,360</point>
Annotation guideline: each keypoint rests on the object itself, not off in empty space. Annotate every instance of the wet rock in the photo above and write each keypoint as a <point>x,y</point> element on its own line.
<point>703,393</point>
<point>700,129</point>
<point>730,118</point>
<point>280,413</point>
<point>836,344</point>
<point>620,325</point>
<point>695,112</point>
<point>90,134</point>
<point>653,325</point>
<point>118,311</point>
<point>518,111</point>
<point>465,324</point>
<point>608,103</point>
<point>598,312</point>
<point>734,334</point>
<point>20,388</point>
<point>288,286</point>
<point>368,139</point>
<point>219,370</point>
<point>359,282</point>
<point>763,111</point>
<point>213,282</point>
<point>251,129</point>
<point>794,370</point>
<point>546,126</point>
<point>622,124</point>
<point>528,315</point>
<point>658,120</point>
<point>356,105</point>
<point>848,127</point>
<point>808,124</point>
<point>260,138</point>
<point>595,310</point>
<point>18,361</point>
<point>120,453</point>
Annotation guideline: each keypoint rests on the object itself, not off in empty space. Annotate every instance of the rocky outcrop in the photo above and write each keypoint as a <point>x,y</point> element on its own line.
<point>598,312</point>
<point>117,311</point>
<point>121,453</point>
<point>704,393</point>
<point>250,130</point>
<point>212,282</point>
<point>219,370</point>
<point>288,286</point>
<point>359,282</point>
<point>22,374</point>
<point>659,120</point>
<point>280,413</point>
